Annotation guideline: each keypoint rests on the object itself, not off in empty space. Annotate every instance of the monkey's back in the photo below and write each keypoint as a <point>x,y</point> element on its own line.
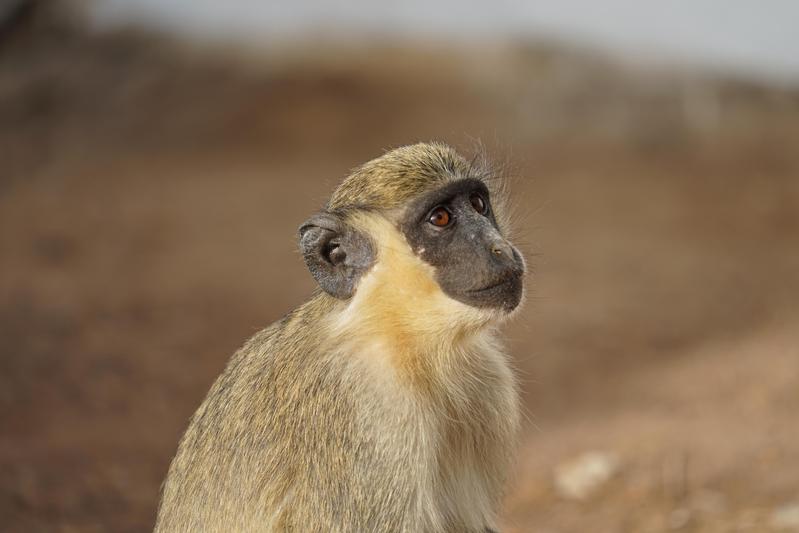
<point>293,440</point>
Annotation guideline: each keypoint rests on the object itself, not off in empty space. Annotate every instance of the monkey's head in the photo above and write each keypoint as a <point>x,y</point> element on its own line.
<point>420,227</point>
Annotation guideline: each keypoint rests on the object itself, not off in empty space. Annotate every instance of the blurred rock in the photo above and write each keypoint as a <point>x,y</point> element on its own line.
<point>584,475</point>
<point>786,517</point>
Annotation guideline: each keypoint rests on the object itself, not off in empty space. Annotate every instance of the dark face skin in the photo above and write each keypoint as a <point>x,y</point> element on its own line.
<point>453,229</point>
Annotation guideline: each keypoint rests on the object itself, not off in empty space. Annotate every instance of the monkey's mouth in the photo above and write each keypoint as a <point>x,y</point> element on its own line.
<point>503,293</point>
<point>511,277</point>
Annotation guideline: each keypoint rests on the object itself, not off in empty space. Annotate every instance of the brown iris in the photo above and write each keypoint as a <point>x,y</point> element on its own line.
<point>478,204</point>
<point>439,217</point>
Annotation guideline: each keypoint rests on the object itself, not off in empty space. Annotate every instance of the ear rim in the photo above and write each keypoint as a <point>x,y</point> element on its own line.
<point>336,279</point>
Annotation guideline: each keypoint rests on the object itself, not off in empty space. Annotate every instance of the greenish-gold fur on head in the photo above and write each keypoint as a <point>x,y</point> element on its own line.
<point>392,179</point>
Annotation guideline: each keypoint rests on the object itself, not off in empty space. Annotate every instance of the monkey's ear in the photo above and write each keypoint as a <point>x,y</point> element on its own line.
<point>336,254</point>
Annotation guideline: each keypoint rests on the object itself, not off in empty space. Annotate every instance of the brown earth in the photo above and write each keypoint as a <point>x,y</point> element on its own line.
<point>149,198</point>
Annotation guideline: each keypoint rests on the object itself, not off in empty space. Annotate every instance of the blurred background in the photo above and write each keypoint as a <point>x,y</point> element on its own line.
<point>157,157</point>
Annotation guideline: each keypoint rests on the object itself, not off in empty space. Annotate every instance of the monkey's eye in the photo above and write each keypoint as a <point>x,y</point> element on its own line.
<point>439,217</point>
<point>478,204</point>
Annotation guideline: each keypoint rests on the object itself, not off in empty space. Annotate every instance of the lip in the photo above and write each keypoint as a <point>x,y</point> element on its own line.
<point>506,280</point>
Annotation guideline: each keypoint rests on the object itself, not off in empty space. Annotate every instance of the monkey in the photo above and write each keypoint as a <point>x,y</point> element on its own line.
<point>386,402</point>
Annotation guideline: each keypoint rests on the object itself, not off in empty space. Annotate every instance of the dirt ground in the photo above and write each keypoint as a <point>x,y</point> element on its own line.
<point>149,200</point>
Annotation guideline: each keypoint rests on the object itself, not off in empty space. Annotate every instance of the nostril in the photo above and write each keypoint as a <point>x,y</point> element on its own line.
<point>500,248</point>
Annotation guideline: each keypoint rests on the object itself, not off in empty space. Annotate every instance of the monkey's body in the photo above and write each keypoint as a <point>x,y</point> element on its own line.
<point>389,410</point>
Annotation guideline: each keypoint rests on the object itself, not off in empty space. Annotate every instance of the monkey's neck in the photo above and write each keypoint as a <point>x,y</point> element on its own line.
<point>424,346</point>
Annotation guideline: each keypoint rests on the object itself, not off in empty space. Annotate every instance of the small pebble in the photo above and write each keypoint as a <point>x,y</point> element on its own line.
<point>582,476</point>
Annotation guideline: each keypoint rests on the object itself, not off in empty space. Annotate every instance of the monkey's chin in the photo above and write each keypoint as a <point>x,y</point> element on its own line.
<point>506,312</point>
<point>488,318</point>
<point>476,314</point>
<point>500,299</point>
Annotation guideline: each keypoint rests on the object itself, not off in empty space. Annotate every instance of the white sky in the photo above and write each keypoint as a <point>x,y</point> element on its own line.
<point>755,37</point>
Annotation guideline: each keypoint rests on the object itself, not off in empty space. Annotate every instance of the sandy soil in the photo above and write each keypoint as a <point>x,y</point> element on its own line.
<point>149,200</point>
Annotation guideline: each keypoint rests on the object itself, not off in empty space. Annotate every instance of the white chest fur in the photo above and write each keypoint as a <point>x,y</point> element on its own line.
<point>454,434</point>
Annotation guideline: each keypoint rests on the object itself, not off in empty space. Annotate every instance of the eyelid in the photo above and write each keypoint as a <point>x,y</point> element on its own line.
<point>431,210</point>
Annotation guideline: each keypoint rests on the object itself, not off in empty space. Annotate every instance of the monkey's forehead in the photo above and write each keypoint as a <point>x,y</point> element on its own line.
<point>402,174</point>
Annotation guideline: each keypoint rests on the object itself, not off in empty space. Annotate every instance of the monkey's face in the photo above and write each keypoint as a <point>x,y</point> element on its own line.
<point>451,229</point>
<point>454,230</point>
